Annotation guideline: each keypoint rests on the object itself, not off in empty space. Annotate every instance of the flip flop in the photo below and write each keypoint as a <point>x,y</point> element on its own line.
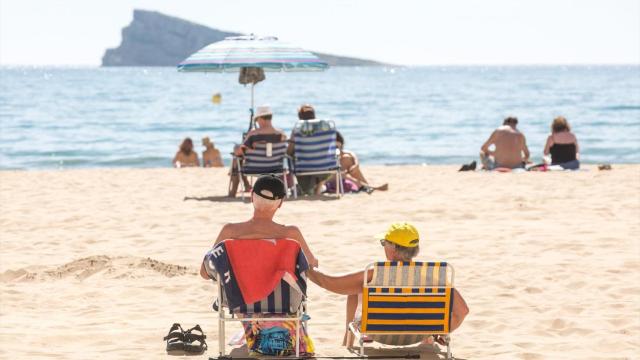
<point>440,340</point>
<point>175,338</point>
<point>194,342</point>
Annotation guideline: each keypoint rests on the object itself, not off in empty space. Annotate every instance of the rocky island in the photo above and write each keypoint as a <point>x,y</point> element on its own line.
<point>155,39</point>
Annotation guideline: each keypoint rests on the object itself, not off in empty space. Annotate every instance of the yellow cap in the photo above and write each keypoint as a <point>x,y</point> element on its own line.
<point>401,233</point>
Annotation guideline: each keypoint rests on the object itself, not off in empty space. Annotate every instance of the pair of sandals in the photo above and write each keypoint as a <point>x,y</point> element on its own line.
<point>190,341</point>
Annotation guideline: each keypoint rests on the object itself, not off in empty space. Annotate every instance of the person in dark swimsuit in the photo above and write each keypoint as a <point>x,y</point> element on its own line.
<point>562,145</point>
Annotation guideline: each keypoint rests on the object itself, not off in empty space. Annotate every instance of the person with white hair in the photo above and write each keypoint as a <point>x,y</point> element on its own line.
<point>267,196</point>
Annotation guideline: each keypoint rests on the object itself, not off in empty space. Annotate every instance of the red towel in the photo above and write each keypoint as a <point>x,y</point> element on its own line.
<point>260,264</point>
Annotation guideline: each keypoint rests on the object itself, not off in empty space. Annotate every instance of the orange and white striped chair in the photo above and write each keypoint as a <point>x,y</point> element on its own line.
<point>405,303</point>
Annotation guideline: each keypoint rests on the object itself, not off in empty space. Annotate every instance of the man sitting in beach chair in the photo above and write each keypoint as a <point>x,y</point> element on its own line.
<point>313,148</point>
<point>266,237</point>
<point>404,302</point>
<point>262,151</point>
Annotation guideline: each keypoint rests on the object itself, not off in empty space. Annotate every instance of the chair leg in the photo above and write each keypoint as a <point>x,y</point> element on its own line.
<point>286,186</point>
<point>221,347</point>
<point>361,346</point>
<point>298,337</point>
<point>449,355</point>
<point>295,186</point>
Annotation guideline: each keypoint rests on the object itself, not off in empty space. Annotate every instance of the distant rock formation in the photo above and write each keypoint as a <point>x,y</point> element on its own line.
<point>155,39</point>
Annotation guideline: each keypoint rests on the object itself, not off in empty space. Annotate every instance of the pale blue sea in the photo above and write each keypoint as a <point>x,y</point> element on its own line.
<point>136,117</point>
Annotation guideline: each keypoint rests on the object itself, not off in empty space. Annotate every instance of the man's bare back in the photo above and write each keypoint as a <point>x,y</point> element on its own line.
<point>510,147</point>
<point>260,228</point>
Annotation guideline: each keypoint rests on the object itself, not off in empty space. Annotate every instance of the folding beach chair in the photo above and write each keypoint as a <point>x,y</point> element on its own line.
<point>315,151</point>
<point>405,302</point>
<point>264,158</point>
<point>259,277</point>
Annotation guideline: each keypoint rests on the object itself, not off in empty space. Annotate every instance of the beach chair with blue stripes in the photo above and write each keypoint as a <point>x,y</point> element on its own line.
<point>315,150</point>
<point>288,297</point>
<point>405,302</point>
<point>265,158</point>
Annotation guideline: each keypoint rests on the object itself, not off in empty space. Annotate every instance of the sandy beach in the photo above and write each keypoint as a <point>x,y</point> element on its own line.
<point>97,264</point>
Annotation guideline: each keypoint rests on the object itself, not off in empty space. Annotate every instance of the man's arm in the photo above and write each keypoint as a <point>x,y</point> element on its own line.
<point>291,146</point>
<point>225,233</point>
<point>294,233</point>
<point>348,284</point>
<point>485,147</point>
<point>525,149</point>
<point>459,311</point>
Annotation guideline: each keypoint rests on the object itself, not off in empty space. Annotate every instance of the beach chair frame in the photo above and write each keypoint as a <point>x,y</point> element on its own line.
<point>443,291</point>
<point>282,170</point>
<point>300,319</point>
<point>238,314</point>
<point>333,170</point>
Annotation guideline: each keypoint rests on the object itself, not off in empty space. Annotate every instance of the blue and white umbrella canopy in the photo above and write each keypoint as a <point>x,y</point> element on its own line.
<point>268,53</point>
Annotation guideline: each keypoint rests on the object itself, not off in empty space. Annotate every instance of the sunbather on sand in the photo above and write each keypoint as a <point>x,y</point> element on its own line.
<point>210,156</point>
<point>511,149</point>
<point>400,243</point>
<point>351,172</point>
<point>186,157</point>
<point>267,197</point>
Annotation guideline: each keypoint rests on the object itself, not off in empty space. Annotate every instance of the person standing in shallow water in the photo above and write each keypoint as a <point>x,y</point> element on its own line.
<point>186,157</point>
<point>562,145</point>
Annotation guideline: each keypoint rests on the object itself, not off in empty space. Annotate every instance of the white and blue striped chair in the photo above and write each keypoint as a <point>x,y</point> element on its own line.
<point>287,301</point>
<point>259,161</point>
<point>315,151</point>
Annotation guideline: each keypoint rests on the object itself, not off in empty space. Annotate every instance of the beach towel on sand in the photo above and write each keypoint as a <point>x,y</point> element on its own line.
<point>251,269</point>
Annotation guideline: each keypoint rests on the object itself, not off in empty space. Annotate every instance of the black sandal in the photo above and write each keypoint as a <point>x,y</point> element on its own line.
<point>175,338</point>
<point>193,342</point>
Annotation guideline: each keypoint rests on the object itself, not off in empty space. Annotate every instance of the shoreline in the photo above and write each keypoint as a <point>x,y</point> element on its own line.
<point>583,166</point>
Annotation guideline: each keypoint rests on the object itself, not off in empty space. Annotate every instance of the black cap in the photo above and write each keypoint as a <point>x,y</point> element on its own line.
<point>269,187</point>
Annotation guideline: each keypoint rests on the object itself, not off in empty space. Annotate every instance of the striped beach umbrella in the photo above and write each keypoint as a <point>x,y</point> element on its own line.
<point>236,52</point>
<point>248,53</point>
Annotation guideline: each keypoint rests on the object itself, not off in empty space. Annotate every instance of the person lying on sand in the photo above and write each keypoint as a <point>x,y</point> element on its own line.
<point>267,196</point>
<point>400,243</point>
<point>351,173</point>
<point>510,147</point>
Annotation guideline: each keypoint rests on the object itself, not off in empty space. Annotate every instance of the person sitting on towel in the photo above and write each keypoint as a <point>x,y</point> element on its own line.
<point>400,243</point>
<point>562,145</point>
<point>511,149</point>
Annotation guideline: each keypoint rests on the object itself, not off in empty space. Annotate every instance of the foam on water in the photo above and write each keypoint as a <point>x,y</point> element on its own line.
<point>136,117</point>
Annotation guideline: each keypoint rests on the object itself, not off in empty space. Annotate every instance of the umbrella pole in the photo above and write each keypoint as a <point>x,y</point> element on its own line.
<point>251,123</point>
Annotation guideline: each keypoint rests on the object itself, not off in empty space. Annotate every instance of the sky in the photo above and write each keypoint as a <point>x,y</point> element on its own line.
<point>403,32</point>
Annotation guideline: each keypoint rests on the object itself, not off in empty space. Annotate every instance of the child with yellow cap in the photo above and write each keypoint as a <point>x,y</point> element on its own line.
<point>401,243</point>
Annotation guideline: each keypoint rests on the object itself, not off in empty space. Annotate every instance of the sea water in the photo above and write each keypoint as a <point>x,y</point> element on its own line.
<point>137,117</point>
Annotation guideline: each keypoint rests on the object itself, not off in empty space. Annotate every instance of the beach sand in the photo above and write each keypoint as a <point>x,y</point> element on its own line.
<point>97,264</point>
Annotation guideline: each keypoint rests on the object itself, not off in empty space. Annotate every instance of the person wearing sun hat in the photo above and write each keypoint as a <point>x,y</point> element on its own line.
<point>401,242</point>
<point>265,132</point>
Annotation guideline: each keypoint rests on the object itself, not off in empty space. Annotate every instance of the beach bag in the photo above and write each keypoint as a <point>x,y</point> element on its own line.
<point>251,75</point>
<point>276,338</point>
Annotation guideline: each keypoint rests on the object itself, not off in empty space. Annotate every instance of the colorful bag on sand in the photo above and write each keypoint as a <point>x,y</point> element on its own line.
<point>277,338</point>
